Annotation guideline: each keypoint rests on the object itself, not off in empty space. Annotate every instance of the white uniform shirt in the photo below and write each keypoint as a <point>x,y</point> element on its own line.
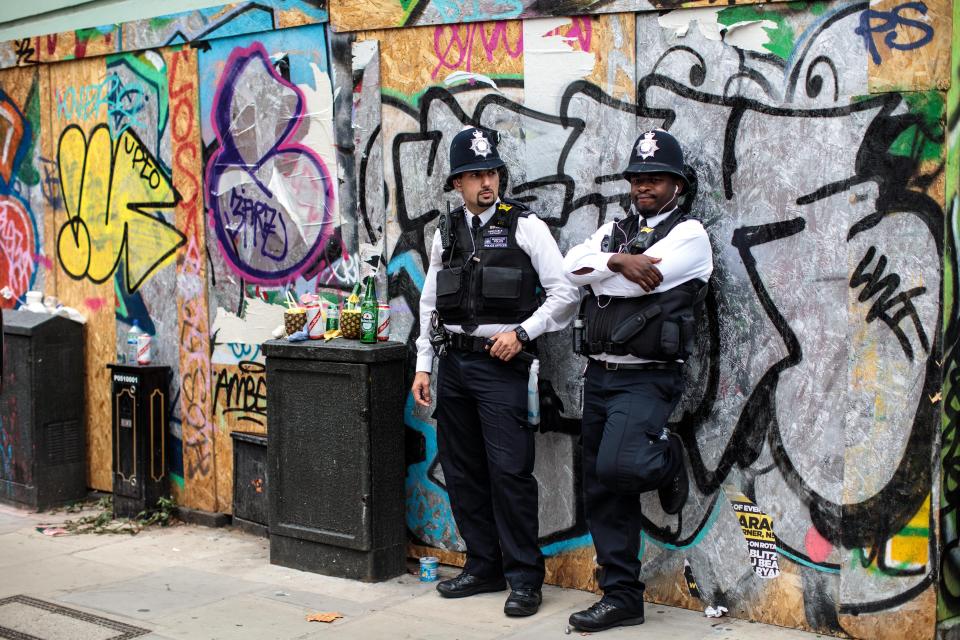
<point>534,238</point>
<point>685,254</point>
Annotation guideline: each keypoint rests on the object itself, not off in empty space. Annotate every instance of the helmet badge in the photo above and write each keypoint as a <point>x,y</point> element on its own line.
<point>480,145</point>
<point>647,146</point>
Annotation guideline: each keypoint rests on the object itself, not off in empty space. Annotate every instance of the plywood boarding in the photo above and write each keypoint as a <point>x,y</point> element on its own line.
<point>96,301</point>
<point>239,393</point>
<point>413,59</point>
<point>908,45</point>
<point>197,430</point>
<point>74,45</point>
<point>916,618</point>
<point>211,22</point>
<point>364,125</point>
<point>359,15</point>
<point>53,202</point>
<point>615,68</point>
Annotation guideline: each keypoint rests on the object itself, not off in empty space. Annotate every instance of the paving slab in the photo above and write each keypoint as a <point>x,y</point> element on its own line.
<point>192,583</point>
<point>485,611</point>
<point>55,575</point>
<point>155,596</point>
<point>9,521</point>
<point>397,626</point>
<point>323,602</point>
<point>244,617</point>
<point>167,547</point>
<point>28,543</point>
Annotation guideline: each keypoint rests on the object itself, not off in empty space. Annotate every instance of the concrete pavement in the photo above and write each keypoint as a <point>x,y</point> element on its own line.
<point>188,582</point>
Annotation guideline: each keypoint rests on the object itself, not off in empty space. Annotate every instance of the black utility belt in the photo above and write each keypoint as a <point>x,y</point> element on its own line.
<point>476,344</point>
<point>636,366</point>
<point>471,344</point>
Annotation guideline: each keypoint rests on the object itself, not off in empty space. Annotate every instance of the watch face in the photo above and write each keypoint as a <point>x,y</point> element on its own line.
<point>522,335</point>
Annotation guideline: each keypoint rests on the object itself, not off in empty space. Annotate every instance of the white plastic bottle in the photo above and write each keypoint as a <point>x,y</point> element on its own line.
<point>132,337</point>
<point>533,395</point>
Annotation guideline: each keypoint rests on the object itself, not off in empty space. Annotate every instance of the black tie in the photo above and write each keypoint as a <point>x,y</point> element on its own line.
<point>469,328</point>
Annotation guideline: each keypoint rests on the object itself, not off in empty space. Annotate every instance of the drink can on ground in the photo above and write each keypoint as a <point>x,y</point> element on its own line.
<point>428,569</point>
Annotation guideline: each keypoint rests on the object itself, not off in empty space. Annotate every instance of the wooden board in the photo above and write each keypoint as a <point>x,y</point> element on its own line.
<point>412,60</point>
<point>916,618</point>
<point>615,51</point>
<point>96,301</point>
<point>197,432</point>
<point>233,19</point>
<point>919,59</point>
<point>239,396</point>
<point>360,15</point>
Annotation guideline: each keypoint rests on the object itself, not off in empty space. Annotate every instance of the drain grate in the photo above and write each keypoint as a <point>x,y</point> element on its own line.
<point>26,618</point>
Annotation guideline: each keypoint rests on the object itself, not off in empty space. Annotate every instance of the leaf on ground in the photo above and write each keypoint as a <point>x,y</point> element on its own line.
<point>323,616</point>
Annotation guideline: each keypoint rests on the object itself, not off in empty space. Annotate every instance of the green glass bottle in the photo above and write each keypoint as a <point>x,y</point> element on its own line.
<point>368,313</point>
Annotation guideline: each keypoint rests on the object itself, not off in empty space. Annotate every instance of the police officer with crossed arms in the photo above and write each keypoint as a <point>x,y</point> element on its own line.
<point>491,262</point>
<point>645,277</point>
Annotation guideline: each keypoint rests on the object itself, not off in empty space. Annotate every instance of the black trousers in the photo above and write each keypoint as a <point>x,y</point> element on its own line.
<point>623,411</point>
<point>487,454</point>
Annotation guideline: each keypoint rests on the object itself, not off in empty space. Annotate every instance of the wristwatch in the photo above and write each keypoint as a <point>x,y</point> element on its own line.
<point>522,335</point>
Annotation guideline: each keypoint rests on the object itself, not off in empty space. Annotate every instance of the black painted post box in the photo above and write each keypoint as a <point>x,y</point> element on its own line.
<point>251,508</point>
<point>336,457</point>
<point>139,399</point>
<point>43,459</point>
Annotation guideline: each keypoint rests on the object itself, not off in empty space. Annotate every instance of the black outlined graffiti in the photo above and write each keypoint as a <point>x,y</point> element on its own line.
<point>760,89</point>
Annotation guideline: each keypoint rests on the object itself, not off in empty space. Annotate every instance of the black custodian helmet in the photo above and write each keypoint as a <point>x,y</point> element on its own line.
<point>656,151</point>
<point>472,149</point>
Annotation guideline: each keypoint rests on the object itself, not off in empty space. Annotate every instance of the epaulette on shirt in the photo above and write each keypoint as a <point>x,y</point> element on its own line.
<point>508,209</point>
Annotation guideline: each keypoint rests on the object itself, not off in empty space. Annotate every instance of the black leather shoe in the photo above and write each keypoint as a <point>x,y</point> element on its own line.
<point>466,584</point>
<point>603,615</point>
<point>522,602</point>
<point>673,495</point>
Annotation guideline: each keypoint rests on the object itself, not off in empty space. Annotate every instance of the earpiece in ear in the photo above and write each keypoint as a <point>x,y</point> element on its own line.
<point>676,189</point>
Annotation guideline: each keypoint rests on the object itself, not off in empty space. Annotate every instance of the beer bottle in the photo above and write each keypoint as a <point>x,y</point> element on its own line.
<point>368,313</point>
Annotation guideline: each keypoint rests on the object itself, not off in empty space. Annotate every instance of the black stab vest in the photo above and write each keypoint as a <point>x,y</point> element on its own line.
<point>496,284</point>
<point>657,326</point>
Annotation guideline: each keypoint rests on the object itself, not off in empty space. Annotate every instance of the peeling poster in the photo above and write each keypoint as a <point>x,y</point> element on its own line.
<point>757,528</point>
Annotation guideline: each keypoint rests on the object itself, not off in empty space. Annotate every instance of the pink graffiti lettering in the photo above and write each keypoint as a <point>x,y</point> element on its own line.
<point>453,44</point>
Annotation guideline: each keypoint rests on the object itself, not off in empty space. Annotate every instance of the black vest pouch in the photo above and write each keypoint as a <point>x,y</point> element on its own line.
<point>659,326</point>
<point>451,290</point>
<point>627,329</point>
<point>500,287</point>
<point>670,339</point>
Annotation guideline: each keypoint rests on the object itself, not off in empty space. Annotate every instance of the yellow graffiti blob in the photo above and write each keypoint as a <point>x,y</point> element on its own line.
<point>112,191</point>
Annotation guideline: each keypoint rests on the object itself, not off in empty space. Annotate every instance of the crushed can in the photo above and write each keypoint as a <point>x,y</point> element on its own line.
<point>144,349</point>
<point>315,326</point>
<point>383,319</point>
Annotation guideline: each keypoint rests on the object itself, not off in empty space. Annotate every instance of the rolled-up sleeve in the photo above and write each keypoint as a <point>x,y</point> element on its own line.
<point>587,255</point>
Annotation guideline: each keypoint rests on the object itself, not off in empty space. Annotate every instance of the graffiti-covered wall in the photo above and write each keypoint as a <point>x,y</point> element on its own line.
<point>188,171</point>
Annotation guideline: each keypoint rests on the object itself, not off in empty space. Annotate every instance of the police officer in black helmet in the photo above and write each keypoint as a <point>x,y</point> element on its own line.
<point>491,262</point>
<point>645,278</point>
